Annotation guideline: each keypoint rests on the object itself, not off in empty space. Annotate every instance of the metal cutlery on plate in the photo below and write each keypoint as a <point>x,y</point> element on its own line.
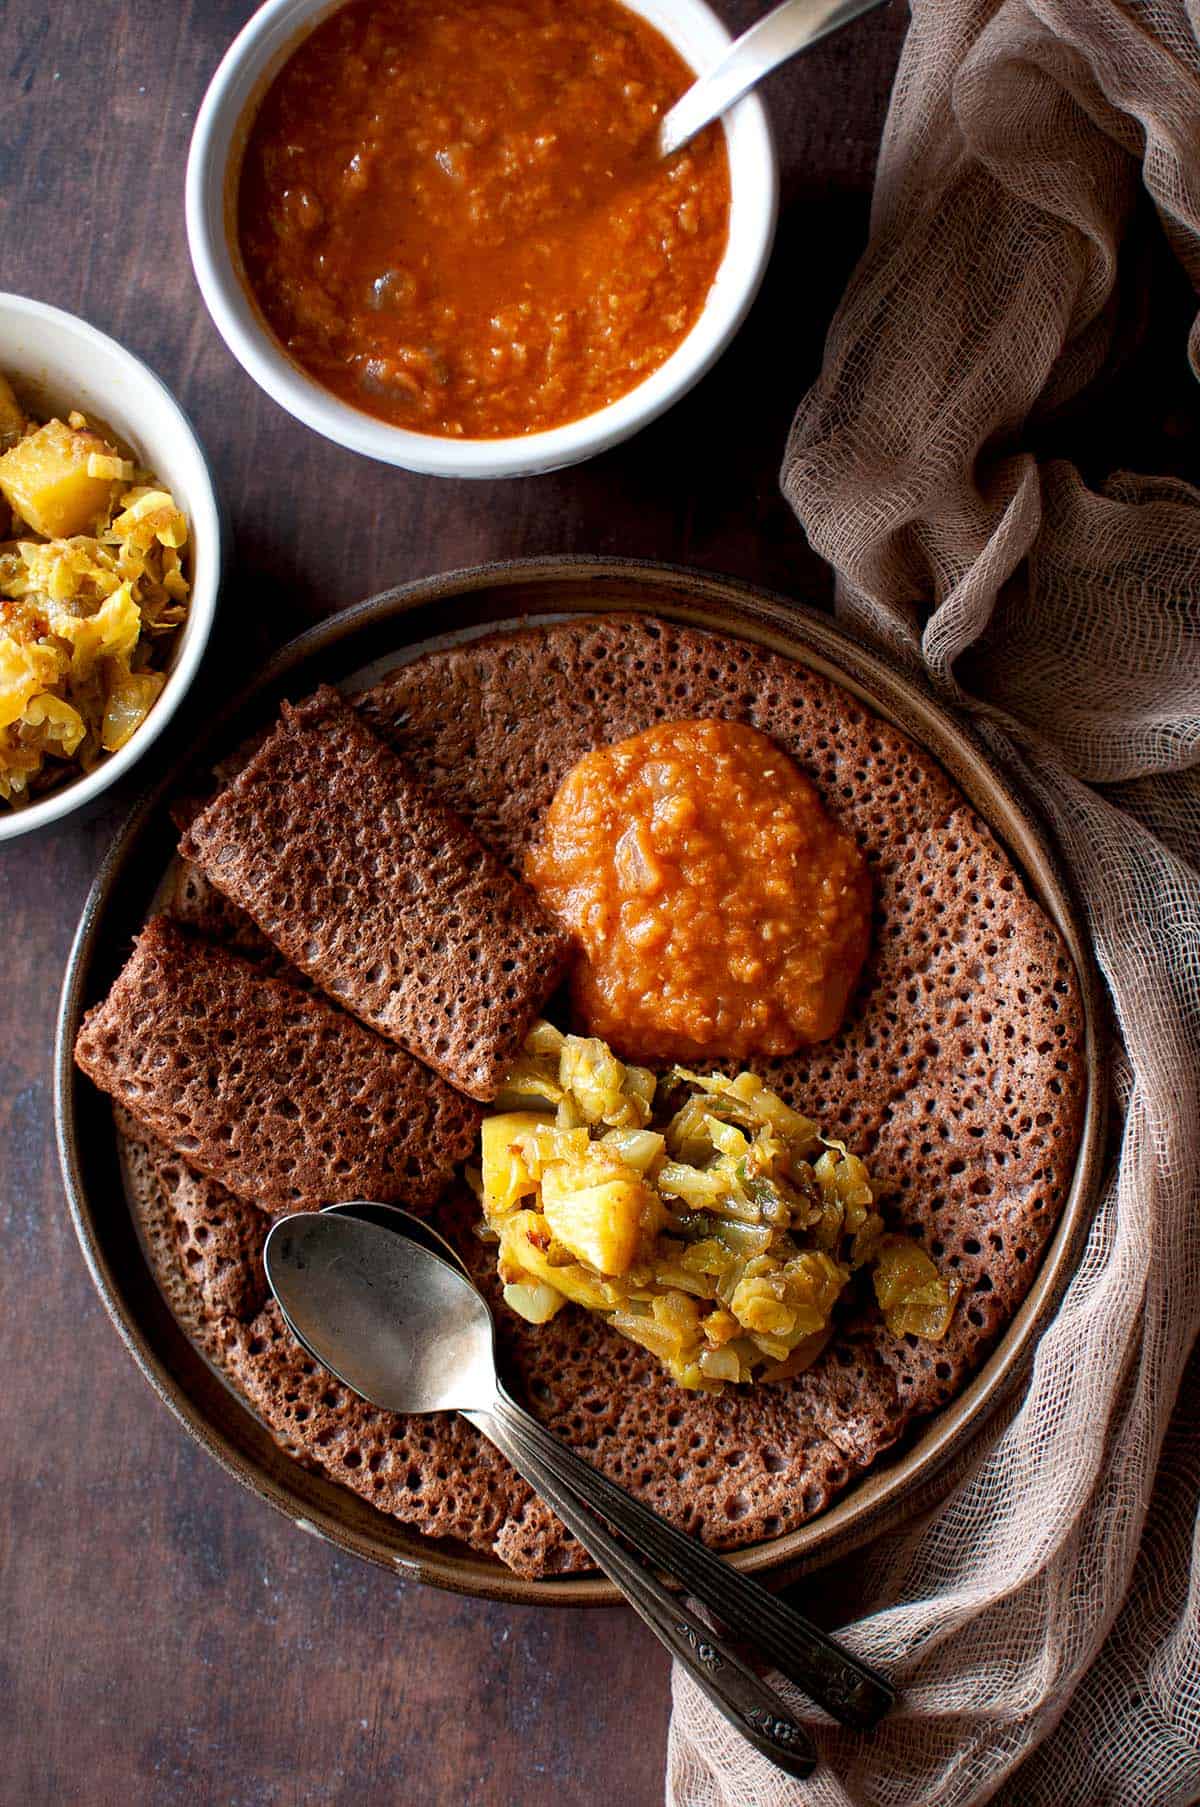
<point>383,1302</point>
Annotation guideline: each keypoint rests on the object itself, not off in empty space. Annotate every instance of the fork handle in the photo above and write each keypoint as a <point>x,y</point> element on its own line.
<point>746,1701</point>
<point>852,1692</point>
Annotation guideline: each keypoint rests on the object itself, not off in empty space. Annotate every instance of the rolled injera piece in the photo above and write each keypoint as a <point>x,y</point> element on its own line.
<point>269,1089</point>
<point>383,897</point>
<point>204,1245</point>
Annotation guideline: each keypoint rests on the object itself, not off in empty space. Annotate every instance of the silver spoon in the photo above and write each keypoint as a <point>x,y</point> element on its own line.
<point>794,26</point>
<point>848,1689</point>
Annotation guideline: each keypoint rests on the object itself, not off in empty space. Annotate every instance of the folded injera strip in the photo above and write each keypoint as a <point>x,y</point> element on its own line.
<point>385,899</point>
<point>958,1075</point>
<point>266,1087</point>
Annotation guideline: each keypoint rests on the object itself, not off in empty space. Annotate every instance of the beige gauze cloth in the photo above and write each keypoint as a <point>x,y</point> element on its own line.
<point>1043,1621</point>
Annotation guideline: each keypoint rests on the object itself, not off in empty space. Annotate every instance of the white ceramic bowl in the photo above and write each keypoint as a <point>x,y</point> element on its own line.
<point>251,62</point>
<point>59,362</point>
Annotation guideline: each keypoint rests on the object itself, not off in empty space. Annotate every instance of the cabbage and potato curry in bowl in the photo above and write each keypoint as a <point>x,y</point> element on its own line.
<point>93,587</point>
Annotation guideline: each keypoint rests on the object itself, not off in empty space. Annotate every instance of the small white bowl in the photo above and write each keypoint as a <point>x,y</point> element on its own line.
<point>251,62</point>
<point>59,362</point>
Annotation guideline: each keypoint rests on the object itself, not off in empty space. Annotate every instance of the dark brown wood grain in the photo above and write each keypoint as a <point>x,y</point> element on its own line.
<point>164,1638</point>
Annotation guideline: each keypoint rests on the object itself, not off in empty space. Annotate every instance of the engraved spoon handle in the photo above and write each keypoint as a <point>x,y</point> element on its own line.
<point>748,1703</point>
<point>794,26</point>
<point>855,1694</point>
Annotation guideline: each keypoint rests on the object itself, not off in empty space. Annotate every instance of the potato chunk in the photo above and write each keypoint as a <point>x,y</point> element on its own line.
<point>44,480</point>
<point>600,1224</point>
<point>506,1176</point>
<point>524,1240</point>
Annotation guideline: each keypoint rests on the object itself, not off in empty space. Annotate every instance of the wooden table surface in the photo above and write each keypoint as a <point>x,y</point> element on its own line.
<point>167,1638</point>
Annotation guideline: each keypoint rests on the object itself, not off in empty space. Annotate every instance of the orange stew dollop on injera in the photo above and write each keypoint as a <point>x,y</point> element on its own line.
<point>718,910</point>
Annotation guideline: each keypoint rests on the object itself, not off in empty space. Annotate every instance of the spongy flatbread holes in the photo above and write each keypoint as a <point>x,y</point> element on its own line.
<point>436,1474</point>
<point>267,1088</point>
<point>733,1470</point>
<point>212,1238</point>
<point>381,896</point>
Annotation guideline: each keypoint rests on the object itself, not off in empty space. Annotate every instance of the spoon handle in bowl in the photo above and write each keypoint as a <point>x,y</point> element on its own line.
<point>732,1686</point>
<point>793,26</point>
<point>852,1692</point>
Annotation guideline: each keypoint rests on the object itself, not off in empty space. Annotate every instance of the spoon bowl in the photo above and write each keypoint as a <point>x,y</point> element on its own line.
<point>392,1319</point>
<point>400,1222</point>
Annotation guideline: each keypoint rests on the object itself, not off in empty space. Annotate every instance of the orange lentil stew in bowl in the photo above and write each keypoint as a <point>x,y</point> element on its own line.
<point>453,217</point>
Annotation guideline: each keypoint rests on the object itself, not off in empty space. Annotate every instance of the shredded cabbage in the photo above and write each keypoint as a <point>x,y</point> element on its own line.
<point>707,1219</point>
<point>86,617</point>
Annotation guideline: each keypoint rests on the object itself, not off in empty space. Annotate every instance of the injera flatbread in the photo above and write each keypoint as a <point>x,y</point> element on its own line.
<point>268,1088</point>
<point>192,901</point>
<point>205,1244</point>
<point>958,1073</point>
<point>385,899</point>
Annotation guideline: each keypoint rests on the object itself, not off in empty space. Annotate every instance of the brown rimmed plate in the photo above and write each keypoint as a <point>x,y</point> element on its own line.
<point>351,649</point>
